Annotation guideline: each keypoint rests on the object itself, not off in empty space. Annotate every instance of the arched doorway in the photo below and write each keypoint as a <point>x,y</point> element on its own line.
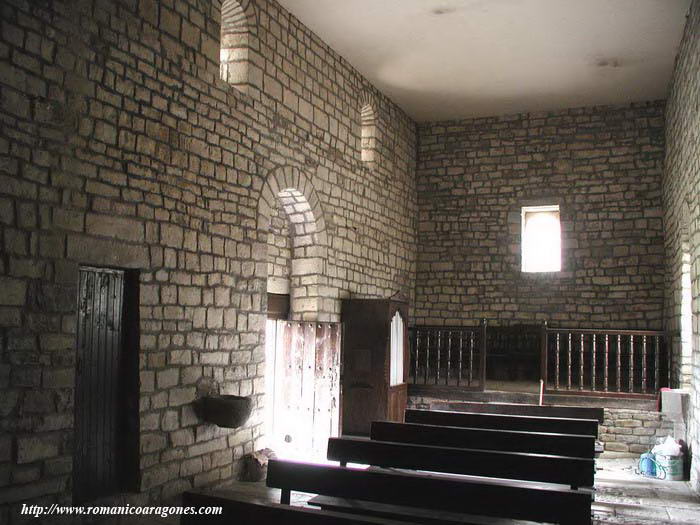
<point>302,351</point>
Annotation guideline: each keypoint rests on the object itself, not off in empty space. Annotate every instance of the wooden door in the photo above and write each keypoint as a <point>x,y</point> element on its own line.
<point>105,387</point>
<point>398,398</point>
<point>305,388</point>
<point>374,387</point>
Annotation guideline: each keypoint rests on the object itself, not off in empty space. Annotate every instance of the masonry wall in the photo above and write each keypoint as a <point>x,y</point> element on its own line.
<point>627,432</point>
<point>120,146</point>
<point>682,210</point>
<point>602,165</point>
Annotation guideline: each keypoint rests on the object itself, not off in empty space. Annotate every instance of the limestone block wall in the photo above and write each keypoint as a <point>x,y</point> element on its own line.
<point>121,146</point>
<point>601,165</point>
<point>279,253</point>
<point>682,211</point>
<point>634,431</point>
<point>623,431</point>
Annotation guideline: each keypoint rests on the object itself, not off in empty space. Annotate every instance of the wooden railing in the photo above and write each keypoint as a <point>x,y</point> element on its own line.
<point>571,360</point>
<point>448,356</point>
<point>608,362</point>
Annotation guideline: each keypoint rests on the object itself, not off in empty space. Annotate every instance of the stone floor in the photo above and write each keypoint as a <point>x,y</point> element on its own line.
<point>622,496</point>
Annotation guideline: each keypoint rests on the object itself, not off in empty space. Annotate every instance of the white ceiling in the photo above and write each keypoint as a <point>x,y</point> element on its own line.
<point>446,59</point>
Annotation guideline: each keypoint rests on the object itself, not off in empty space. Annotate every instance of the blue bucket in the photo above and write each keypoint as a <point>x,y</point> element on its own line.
<point>647,465</point>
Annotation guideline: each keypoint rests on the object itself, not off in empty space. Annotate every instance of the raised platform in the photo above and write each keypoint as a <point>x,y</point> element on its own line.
<point>451,393</point>
<point>630,425</point>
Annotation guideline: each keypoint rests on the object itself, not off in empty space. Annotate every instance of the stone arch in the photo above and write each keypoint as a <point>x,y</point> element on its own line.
<point>287,187</point>
<point>368,128</point>
<point>238,43</point>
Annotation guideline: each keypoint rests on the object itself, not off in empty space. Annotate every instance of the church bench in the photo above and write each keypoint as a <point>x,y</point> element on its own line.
<point>246,512</point>
<point>437,493</point>
<point>504,421</point>
<point>572,445</point>
<point>576,472</point>
<point>522,409</point>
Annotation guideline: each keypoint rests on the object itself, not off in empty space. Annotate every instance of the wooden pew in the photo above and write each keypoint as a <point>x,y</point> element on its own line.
<point>503,422</point>
<point>576,472</point>
<point>412,492</point>
<point>572,445</point>
<point>521,409</point>
<point>245,512</point>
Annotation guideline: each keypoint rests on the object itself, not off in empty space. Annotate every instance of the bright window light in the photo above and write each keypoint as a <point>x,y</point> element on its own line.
<point>396,346</point>
<point>541,239</point>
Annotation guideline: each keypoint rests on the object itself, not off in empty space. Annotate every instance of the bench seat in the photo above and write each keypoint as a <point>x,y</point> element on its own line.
<point>575,472</point>
<point>572,445</point>
<point>504,421</point>
<point>487,497</point>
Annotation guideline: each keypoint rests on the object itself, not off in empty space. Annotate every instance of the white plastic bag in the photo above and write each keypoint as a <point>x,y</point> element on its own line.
<point>669,447</point>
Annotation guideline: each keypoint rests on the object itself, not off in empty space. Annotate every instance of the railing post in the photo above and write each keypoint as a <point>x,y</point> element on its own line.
<point>415,339</point>
<point>669,359</point>
<point>543,353</point>
<point>427,358</point>
<point>483,355</point>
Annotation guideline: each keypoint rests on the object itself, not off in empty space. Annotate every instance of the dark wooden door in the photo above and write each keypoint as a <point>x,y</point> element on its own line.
<point>101,426</point>
<point>368,392</point>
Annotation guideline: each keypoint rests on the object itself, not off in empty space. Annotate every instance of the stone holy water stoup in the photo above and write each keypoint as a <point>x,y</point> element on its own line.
<point>227,411</point>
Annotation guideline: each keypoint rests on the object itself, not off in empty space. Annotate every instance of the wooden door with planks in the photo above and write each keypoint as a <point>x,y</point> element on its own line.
<point>304,363</point>
<point>105,460</point>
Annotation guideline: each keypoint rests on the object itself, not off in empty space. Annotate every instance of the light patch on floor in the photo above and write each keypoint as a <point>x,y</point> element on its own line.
<point>623,496</point>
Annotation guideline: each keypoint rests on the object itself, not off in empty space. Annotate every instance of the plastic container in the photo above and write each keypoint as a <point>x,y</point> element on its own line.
<point>647,465</point>
<point>672,467</point>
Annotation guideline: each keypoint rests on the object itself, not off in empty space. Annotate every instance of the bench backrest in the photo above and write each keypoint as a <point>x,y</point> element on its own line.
<point>506,499</point>
<point>576,472</point>
<point>504,422</point>
<point>246,512</point>
<point>520,409</point>
<point>573,445</point>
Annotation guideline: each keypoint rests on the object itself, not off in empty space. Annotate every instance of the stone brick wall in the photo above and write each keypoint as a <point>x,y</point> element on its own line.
<point>682,210</point>
<point>601,165</point>
<point>279,253</point>
<point>623,431</point>
<point>633,431</point>
<point>121,146</point>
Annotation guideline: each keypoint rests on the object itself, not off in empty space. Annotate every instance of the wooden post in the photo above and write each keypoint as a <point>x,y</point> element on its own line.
<point>471,357</point>
<point>285,496</point>
<point>593,354</point>
<point>416,345</point>
<point>439,345</point>
<point>427,358</point>
<point>543,354</point>
<point>607,363</point>
<point>459,361</point>
<point>557,353</point>
<point>568,363</point>
<point>483,354</point>
<point>449,357</point>
<point>656,363</point>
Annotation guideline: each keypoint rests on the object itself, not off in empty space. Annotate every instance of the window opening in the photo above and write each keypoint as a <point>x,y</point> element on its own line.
<point>541,239</point>
<point>397,351</point>
<point>369,133</point>
<point>234,54</point>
